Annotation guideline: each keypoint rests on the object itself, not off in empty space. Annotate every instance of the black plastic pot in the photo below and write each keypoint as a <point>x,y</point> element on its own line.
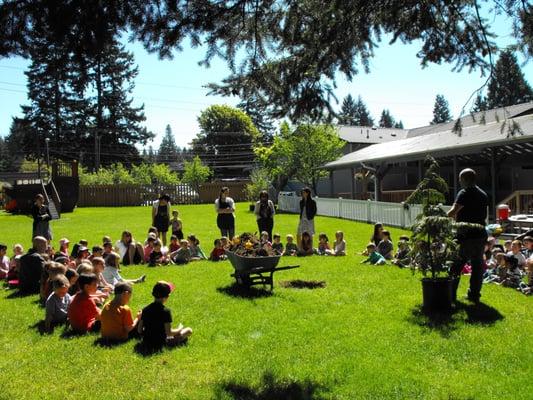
<point>437,294</point>
<point>251,208</point>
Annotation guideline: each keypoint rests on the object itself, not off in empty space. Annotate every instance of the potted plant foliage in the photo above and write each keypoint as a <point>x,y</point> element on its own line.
<point>433,237</point>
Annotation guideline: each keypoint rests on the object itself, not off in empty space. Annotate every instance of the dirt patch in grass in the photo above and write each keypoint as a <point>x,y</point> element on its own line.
<point>301,284</point>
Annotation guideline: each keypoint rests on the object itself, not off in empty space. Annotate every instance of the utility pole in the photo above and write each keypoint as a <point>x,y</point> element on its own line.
<point>47,147</point>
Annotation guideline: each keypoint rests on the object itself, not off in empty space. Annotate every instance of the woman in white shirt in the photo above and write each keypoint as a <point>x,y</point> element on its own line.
<point>225,208</point>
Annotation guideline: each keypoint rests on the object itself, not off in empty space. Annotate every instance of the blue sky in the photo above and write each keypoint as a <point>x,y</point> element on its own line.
<point>172,91</point>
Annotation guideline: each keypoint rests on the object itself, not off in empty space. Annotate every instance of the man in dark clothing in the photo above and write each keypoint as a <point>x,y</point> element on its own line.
<point>32,265</point>
<point>470,206</point>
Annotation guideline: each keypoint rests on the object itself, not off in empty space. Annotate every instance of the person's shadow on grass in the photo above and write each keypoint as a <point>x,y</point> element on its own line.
<point>17,294</point>
<point>271,389</point>
<point>145,350</point>
<point>244,292</point>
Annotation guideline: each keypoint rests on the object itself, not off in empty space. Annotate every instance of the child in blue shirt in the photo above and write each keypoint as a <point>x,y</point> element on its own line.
<point>374,257</point>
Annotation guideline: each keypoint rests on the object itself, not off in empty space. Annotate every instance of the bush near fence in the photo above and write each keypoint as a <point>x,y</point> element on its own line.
<point>143,195</point>
<point>391,214</point>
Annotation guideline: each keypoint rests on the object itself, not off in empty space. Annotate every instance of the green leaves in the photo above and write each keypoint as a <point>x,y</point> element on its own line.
<point>195,173</point>
<point>301,153</point>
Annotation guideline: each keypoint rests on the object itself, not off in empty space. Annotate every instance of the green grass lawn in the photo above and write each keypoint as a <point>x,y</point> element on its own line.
<point>360,337</point>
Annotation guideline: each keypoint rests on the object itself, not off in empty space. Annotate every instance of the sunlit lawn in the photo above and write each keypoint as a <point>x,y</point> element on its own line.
<point>359,337</point>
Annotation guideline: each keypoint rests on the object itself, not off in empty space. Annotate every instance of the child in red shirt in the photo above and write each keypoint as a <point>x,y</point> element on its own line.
<point>218,253</point>
<point>83,314</point>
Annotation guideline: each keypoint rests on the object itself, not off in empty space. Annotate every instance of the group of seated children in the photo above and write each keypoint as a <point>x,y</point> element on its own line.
<point>510,265</point>
<point>114,320</point>
<point>380,249</point>
<point>180,251</point>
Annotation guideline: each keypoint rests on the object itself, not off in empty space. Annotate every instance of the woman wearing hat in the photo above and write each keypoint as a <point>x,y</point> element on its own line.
<point>161,216</point>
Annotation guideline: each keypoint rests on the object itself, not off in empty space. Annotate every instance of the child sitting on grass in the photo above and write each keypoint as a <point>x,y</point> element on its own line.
<point>174,244</point>
<point>112,271</point>
<point>4,261</point>
<point>14,263</point>
<point>72,277</point>
<point>57,303</point>
<point>401,258</point>
<point>291,249</point>
<point>148,248</point>
<point>98,269</point>
<point>339,246</point>
<point>194,249</point>
<point>157,257</point>
<point>306,247</point>
<point>116,319</point>
<point>385,246</point>
<point>516,252</point>
<point>225,242</point>
<point>323,245</point>
<point>50,272</point>
<point>513,275</point>
<point>218,252</point>
<point>263,240</point>
<point>277,246</point>
<point>182,255</point>
<point>374,257</point>
<point>83,314</point>
<point>155,323</point>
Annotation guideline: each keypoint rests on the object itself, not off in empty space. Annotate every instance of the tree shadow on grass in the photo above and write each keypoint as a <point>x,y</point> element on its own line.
<point>241,291</point>
<point>271,389</point>
<point>463,314</point>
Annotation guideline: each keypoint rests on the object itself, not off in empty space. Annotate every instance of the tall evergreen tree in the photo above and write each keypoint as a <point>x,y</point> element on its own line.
<point>398,125</point>
<point>480,104</point>
<point>259,112</point>
<point>386,120</point>
<point>347,115</point>
<point>56,110</point>
<point>168,151</point>
<point>508,85</point>
<point>441,111</point>
<point>362,115</point>
<point>113,117</point>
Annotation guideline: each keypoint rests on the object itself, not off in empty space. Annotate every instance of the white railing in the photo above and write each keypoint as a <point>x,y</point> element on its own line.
<point>391,214</point>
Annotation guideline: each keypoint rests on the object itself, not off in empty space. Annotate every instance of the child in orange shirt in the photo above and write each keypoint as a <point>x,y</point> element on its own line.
<point>116,319</point>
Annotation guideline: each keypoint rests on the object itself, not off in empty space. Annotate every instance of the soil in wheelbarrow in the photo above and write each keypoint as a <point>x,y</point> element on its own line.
<point>301,284</point>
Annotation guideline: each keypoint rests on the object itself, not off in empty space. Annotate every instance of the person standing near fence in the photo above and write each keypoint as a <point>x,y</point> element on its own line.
<point>161,216</point>
<point>307,214</point>
<point>264,211</point>
<point>470,206</point>
<point>225,208</point>
<point>41,218</point>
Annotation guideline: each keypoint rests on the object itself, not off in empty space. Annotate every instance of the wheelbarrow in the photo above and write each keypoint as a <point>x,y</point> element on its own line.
<point>251,271</point>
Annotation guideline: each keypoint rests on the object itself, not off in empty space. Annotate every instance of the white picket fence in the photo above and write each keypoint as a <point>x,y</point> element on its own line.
<point>391,214</point>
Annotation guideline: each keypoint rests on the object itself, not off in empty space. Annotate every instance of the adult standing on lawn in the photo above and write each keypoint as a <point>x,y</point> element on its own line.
<point>470,206</point>
<point>225,208</point>
<point>264,211</point>
<point>307,215</point>
<point>161,216</point>
<point>41,218</point>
